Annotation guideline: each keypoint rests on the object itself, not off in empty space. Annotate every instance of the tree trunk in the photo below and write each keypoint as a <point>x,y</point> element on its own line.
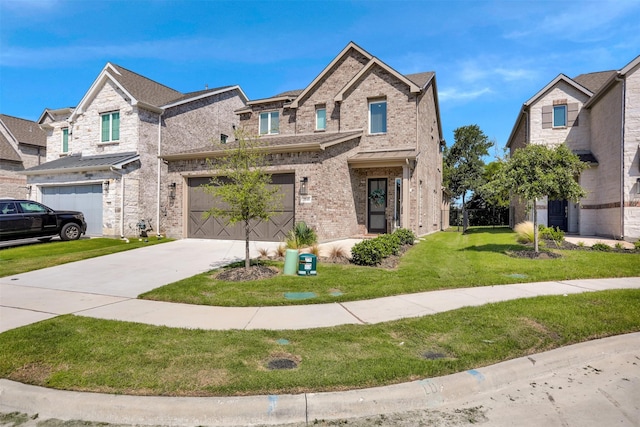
<point>247,231</point>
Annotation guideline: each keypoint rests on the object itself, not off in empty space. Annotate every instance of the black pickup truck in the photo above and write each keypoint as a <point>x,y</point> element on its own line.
<point>23,219</point>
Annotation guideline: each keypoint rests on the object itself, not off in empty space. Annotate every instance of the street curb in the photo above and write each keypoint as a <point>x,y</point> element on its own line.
<point>429,393</point>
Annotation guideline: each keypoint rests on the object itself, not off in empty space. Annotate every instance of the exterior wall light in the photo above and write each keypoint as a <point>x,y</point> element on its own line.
<point>172,191</point>
<point>304,186</point>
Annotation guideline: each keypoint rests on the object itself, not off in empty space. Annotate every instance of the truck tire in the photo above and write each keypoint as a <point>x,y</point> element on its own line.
<point>70,231</point>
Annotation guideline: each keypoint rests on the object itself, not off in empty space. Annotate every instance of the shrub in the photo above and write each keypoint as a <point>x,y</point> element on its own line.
<point>551,233</point>
<point>601,247</point>
<point>263,252</point>
<point>637,245</point>
<point>406,236</point>
<point>389,244</point>
<point>366,253</point>
<point>581,244</point>
<point>524,231</point>
<point>301,236</point>
<point>619,246</point>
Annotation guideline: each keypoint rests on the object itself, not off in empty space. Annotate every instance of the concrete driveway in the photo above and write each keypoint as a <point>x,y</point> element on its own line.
<point>38,295</point>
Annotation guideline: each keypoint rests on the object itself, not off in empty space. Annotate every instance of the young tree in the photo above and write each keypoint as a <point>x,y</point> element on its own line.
<point>463,164</point>
<point>538,171</point>
<point>242,184</point>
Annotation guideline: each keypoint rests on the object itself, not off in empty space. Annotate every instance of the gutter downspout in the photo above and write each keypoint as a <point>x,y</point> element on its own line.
<point>114,170</point>
<point>159,166</point>
<point>622,171</point>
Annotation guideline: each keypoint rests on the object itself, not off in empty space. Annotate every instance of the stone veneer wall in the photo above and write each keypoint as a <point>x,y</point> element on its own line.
<point>632,156</point>
<point>601,207</point>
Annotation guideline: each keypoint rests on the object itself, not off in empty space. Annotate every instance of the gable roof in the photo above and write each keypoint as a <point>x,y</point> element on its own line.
<point>24,131</point>
<point>315,81</point>
<point>372,63</point>
<point>80,163</point>
<point>552,83</point>
<point>144,92</point>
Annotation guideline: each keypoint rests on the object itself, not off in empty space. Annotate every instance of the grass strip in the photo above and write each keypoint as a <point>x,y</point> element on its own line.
<point>442,261</point>
<point>20,259</point>
<point>77,353</point>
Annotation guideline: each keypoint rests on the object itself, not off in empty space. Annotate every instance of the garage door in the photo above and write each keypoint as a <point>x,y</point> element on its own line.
<point>218,228</point>
<point>84,198</point>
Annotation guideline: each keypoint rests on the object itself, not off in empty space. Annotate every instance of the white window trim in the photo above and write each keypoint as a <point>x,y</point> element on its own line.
<point>553,116</point>
<point>111,140</point>
<point>375,101</point>
<point>269,129</point>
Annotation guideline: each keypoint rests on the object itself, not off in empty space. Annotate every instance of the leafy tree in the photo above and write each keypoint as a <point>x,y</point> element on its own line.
<point>242,184</point>
<point>463,164</point>
<point>538,171</point>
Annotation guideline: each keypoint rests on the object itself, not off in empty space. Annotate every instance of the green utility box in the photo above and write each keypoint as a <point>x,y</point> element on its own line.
<point>307,265</point>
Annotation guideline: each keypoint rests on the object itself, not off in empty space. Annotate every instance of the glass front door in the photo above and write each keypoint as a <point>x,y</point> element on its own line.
<point>377,205</point>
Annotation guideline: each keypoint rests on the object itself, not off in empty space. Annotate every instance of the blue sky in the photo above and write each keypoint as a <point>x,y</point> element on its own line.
<point>489,56</point>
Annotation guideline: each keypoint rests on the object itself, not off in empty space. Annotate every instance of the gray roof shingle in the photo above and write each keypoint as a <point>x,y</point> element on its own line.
<point>144,89</point>
<point>7,152</point>
<point>80,162</point>
<point>594,81</point>
<point>25,131</point>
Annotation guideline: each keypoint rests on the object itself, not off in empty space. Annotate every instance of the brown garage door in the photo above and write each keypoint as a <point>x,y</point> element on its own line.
<point>219,228</point>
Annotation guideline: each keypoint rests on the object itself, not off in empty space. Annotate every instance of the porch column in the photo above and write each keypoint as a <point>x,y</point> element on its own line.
<point>404,217</point>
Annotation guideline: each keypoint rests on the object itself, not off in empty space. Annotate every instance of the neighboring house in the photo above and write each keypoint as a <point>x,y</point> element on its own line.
<point>356,152</point>
<point>598,116</point>
<point>22,145</point>
<point>102,156</point>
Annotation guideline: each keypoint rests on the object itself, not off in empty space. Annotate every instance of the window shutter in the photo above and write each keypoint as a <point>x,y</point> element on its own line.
<point>547,116</point>
<point>572,114</point>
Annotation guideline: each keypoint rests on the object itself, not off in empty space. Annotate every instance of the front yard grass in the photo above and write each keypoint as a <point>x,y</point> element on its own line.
<point>84,354</point>
<point>440,261</point>
<point>20,259</point>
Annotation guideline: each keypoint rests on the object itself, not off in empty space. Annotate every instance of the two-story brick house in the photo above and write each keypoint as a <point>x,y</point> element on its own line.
<point>597,115</point>
<point>358,151</point>
<point>102,156</point>
<point>22,145</point>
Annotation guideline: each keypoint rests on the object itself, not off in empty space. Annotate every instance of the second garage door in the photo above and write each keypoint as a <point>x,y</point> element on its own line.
<point>84,198</point>
<point>273,230</point>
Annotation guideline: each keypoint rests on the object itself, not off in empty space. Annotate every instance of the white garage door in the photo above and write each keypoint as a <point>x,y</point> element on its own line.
<point>84,198</point>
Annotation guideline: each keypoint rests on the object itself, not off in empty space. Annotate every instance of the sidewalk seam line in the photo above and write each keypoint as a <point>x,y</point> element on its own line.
<point>352,313</point>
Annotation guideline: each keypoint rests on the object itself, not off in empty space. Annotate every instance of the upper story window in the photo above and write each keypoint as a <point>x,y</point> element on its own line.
<point>110,126</point>
<point>223,138</point>
<point>377,117</point>
<point>65,140</point>
<point>321,118</point>
<point>559,116</point>
<point>269,123</point>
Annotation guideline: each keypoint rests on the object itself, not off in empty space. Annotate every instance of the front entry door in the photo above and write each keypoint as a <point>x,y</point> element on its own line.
<point>377,203</point>
<point>558,214</point>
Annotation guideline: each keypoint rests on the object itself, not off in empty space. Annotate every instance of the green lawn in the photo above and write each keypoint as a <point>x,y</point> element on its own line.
<point>441,261</point>
<point>20,259</point>
<point>84,354</point>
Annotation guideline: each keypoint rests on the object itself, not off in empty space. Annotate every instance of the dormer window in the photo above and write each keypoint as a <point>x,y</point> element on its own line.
<point>65,140</point>
<point>377,116</point>
<point>559,116</point>
<point>110,126</point>
<point>270,123</point>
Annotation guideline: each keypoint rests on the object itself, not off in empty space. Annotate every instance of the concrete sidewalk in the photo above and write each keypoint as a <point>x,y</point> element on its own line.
<point>590,384</point>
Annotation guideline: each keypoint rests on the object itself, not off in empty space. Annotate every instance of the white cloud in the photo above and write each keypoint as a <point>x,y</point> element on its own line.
<point>454,94</point>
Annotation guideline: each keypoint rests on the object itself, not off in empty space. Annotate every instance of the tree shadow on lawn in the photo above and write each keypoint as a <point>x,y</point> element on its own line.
<point>503,249</point>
